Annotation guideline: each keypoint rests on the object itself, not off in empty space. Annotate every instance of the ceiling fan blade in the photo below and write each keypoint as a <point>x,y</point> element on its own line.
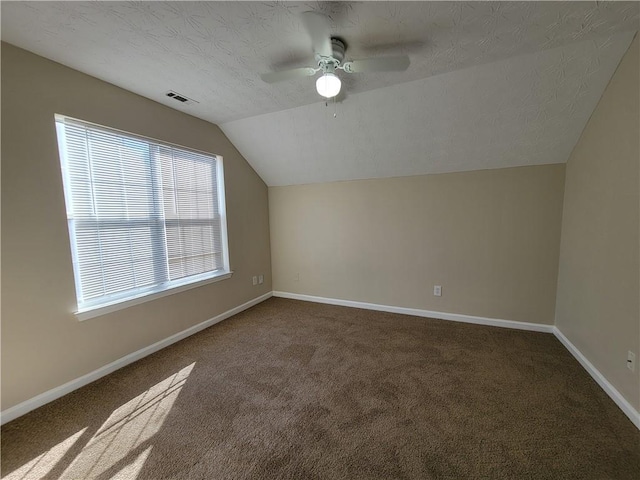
<point>381,64</point>
<point>273,77</point>
<point>319,29</point>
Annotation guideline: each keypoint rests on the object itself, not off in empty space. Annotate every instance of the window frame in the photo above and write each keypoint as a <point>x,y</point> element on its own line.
<point>158,290</point>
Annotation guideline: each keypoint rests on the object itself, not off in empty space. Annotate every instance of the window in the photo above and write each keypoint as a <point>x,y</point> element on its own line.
<point>144,217</point>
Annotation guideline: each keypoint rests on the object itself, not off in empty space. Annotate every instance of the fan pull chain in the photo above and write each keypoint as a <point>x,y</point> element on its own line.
<point>335,106</point>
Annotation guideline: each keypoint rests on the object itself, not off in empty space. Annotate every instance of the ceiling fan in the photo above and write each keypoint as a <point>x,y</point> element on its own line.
<point>330,54</point>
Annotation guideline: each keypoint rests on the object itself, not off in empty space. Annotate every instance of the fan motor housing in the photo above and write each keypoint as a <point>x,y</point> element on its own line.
<point>338,47</point>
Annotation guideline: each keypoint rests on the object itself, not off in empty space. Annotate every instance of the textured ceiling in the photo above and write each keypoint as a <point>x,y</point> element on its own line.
<point>490,83</point>
<point>214,52</point>
<point>527,110</point>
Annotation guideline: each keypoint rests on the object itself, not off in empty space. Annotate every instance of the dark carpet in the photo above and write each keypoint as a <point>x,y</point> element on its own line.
<point>296,390</point>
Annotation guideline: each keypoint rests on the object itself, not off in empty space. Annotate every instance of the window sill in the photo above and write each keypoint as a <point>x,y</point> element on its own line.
<point>96,311</point>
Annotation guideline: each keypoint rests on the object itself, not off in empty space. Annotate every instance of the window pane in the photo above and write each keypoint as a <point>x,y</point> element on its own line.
<point>141,214</point>
<point>191,210</point>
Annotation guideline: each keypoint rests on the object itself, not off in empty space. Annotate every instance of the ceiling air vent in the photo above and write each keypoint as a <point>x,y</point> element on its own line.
<point>180,98</point>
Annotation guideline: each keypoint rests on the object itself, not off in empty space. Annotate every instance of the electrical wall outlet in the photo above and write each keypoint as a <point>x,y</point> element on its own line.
<point>255,280</point>
<point>437,290</point>
<point>260,279</point>
<point>631,361</point>
<point>296,277</point>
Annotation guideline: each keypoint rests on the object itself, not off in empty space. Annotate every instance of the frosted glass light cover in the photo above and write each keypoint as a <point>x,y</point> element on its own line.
<point>328,85</point>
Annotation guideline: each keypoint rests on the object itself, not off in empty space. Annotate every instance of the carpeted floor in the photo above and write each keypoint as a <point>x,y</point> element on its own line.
<point>298,390</point>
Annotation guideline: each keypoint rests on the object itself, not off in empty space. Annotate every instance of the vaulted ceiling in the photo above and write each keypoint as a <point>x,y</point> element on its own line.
<point>491,84</point>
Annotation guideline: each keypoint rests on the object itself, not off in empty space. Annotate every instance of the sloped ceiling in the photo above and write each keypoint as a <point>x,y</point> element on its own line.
<point>527,110</point>
<point>491,84</point>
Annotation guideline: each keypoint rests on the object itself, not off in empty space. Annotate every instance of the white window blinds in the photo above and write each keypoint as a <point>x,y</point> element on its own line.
<point>143,216</point>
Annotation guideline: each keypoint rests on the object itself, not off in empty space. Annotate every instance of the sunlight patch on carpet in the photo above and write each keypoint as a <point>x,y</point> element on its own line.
<point>42,464</point>
<point>122,444</point>
<point>132,470</point>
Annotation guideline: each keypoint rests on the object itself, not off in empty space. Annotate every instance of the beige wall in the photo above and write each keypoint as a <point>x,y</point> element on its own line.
<point>43,345</point>
<point>490,238</point>
<point>598,285</point>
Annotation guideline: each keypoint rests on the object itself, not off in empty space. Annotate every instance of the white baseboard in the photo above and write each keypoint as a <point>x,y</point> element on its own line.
<point>456,317</point>
<point>50,395</point>
<point>615,395</point>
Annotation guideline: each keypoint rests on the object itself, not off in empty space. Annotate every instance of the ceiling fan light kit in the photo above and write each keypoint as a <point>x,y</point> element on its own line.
<point>329,54</point>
